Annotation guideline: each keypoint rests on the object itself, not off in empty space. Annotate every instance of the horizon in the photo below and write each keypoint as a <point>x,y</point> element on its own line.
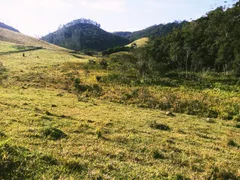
<point>37,19</point>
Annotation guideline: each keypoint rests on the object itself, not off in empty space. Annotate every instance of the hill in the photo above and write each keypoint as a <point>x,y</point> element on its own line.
<point>79,117</point>
<point>153,31</point>
<point>141,114</point>
<point>139,43</point>
<point>21,39</point>
<point>210,42</point>
<point>2,25</point>
<point>81,35</point>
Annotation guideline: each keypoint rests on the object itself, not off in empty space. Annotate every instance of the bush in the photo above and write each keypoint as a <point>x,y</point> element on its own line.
<point>157,155</point>
<point>232,143</point>
<point>53,133</point>
<point>155,125</point>
<point>116,49</point>
<point>2,73</point>
<point>103,64</point>
<point>19,163</point>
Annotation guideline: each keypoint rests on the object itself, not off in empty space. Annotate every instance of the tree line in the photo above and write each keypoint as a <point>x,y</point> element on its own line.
<point>211,43</point>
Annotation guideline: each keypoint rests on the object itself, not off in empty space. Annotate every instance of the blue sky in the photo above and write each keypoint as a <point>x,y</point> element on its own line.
<point>39,17</point>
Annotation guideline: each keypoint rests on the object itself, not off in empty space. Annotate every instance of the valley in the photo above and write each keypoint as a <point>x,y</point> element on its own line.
<point>161,104</point>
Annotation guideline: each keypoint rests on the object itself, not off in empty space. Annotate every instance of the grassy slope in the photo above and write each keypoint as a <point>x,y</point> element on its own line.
<point>103,139</point>
<point>140,42</point>
<point>7,47</point>
<point>111,140</point>
<point>18,38</point>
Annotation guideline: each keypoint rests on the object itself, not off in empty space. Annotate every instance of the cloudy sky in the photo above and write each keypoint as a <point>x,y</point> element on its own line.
<point>39,17</point>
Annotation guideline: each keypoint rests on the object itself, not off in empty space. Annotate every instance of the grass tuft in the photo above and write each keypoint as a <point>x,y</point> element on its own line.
<point>53,134</point>
<point>155,125</point>
<point>157,155</point>
<point>232,143</point>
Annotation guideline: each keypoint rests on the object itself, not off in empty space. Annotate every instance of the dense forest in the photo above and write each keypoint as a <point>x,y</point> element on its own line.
<point>2,25</point>
<point>84,34</point>
<point>209,43</point>
<point>153,31</point>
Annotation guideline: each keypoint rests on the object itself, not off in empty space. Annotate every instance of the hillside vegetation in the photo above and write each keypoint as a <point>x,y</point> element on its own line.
<point>153,31</point>
<point>209,43</point>
<point>127,114</point>
<point>57,122</point>
<point>21,39</point>
<point>82,35</point>
<point>139,43</point>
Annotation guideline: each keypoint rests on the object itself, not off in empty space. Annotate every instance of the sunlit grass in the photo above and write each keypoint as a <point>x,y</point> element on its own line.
<point>140,42</point>
<point>49,131</point>
<point>18,38</point>
<point>111,140</point>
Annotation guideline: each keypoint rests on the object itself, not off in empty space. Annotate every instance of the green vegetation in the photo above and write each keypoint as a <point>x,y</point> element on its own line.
<point>209,43</point>
<point>139,43</point>
<point>116,49</point>
<point>153,31</point>
<point>24,40</point>
<point>80,36</point>
<point>129,115</point>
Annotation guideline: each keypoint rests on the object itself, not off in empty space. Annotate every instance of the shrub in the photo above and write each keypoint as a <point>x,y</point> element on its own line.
<point>98,78</point>
<point>2,134</point>
<point>155,125</point>
<point>53,133</point>
<point>238,126</point>
<point>2,73</point>
<point>157,155</point>
<point>103,64</point>
<point>232,143</point>
<point>222,174</point>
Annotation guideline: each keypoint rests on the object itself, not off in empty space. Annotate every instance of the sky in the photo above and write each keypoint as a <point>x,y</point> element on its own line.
<point>40,17</point>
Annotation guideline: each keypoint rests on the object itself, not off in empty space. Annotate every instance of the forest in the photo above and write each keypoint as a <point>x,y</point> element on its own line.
<point>210,43</point>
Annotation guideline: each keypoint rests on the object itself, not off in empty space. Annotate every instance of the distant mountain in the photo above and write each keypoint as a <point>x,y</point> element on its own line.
<point>2,25</point>
<point>125,34</point>
<point>84,34</point>
<point>152,31</point>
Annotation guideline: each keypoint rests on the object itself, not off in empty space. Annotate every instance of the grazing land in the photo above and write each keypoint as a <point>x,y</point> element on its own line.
<point>68,116</point>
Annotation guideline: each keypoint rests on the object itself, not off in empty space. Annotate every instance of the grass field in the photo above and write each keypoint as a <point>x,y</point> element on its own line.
<point>18,38</point>
<point>140,42</point>
<point>112,130</point>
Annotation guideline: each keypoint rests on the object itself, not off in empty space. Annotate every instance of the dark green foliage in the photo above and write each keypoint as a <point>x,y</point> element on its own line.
<point>155,125</point>
<point>238,126</point>
<point>157,155</point>
<point>2,68</point>
<point>82,36</point>
<point>3,71</point>
<point>53,133</point>
<point>74,166</point>
<point>2,134</point>
<point>19,163</point>
<point>2,25</point>
<point>181,177</point>
<point>98,78</point>
<point>88,90</point>
<point>103,64</point>
<point>153,31</point>
<point>116,49</point>
<point>232,143</point>
<point>211,42</point>
<point>125,34</point>
<point>88,52</point>
<point>77,85</point>
<point>222,174</point>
